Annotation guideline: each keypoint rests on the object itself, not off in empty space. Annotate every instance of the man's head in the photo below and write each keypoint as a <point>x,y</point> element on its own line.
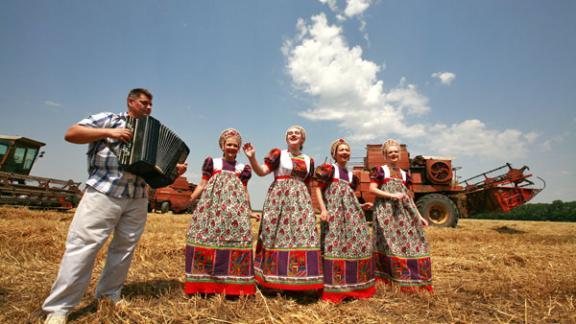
<point>139,102</point>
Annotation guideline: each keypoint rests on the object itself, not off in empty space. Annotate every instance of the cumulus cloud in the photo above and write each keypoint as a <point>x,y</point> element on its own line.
<point>346,90</point>
<point>332,4</point>
<point>353,7</point>
<point>444,77</point>
<point>52,103</point>
<point>474,138</point>
<point>356,7</point>
<point>346,85</point>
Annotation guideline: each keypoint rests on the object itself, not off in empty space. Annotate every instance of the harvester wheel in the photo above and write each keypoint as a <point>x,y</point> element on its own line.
<point>438,209</point>
<point>164,207</point>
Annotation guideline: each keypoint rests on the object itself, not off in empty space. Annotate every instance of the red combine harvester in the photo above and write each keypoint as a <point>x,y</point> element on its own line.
<point>17,187</point>
<point>175,197</point>
<point>440,197</point>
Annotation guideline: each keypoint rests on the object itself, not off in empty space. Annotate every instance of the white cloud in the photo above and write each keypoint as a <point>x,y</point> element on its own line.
<point>444,77</point>
<point>346,85</point>
<point>356,7</point>
<point>346,89</point>
<point>332,4</point>
<point>52,103</point>
<point>353,7</point>
<point>473,138</point>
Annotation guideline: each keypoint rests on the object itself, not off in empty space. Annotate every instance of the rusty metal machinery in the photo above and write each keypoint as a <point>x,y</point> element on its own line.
<point>17,187</point>
<point>500,189</point>
<point>440,197</point>
<point>439,171</point>
<point>23,190</point>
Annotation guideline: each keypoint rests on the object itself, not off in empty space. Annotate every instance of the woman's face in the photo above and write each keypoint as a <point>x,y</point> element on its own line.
<point>342,154</point>
<point>230,148</point>
<point>393,154</point>
<point>294,137</point>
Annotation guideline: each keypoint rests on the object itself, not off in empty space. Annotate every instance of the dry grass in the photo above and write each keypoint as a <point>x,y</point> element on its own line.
<point>484,271</point>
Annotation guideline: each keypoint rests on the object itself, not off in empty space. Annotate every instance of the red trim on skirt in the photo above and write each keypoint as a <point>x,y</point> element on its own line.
<point>191,288</point>
<point>338,297</point>
<point>283,286</point>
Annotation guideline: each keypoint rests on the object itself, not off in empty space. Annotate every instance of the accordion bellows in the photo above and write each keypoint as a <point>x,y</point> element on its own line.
<point>153,152</point>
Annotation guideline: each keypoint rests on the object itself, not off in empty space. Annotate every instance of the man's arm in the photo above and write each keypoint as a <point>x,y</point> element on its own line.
<point>79,134</point>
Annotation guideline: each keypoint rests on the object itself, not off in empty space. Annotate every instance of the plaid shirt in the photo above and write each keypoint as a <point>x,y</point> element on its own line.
<point>105,174</point>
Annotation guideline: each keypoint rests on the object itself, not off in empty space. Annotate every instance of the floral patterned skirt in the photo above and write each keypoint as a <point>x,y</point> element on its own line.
<point>347,246</point>
<point>401,252</point>
<point>288,248</point>
<point>219,245</point>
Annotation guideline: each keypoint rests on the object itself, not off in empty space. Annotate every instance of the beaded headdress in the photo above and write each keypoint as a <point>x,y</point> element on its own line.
<point>335,145</point>
<point>227,133</point>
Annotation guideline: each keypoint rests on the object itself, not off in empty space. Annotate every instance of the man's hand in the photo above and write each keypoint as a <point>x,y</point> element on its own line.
<point>181,168</point>
<point>120,134</point>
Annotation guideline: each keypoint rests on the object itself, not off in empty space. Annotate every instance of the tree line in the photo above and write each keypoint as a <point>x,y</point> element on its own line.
<point>557,211</point>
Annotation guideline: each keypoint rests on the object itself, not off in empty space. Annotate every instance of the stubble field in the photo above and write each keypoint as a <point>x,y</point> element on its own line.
<point>483,271</point>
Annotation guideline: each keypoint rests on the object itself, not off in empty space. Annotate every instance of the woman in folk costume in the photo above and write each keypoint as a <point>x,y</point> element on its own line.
<point>401,253</point>
<point>219,244</point>
<point>288,249</point>
<point>346,241</point>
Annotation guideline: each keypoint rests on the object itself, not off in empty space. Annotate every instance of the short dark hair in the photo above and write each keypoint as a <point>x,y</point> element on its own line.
<point>136,93</point>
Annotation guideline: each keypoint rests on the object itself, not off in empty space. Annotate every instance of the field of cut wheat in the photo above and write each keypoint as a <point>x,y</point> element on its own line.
<point>484,271</point>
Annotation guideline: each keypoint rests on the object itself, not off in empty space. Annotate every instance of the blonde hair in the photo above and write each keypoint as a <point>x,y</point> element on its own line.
<point>387,144</point>
<point>302,133</point>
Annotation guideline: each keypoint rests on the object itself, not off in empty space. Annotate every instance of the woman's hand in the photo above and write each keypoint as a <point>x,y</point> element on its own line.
<point>423,221</point>
<point>249,150</point>
<point>255,215</point>
<point>397,196</point>
<point>324,215</point>
<point>367,206</point>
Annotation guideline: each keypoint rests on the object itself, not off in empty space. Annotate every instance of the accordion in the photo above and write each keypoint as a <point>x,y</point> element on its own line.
<point>153,152</point>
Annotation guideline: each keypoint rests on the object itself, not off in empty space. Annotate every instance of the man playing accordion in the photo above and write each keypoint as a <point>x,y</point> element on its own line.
<point>114,201</point>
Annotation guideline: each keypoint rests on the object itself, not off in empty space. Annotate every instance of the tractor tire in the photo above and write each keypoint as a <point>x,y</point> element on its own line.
<point>438,209</point>
<point>164,207</point>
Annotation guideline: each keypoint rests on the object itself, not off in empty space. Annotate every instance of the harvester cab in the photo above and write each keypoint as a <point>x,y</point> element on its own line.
<point>18,154</point>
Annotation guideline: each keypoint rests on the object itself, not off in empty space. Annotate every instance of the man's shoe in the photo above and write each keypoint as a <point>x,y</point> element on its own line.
<point>121,303</point>
<point>55,318</point>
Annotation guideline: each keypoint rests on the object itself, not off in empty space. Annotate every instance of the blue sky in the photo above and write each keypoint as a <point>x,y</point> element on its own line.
<point>485,82</point>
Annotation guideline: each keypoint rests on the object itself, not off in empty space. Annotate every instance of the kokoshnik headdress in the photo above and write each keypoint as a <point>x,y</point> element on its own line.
<point>226,134</point>
<point>334,147</point>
